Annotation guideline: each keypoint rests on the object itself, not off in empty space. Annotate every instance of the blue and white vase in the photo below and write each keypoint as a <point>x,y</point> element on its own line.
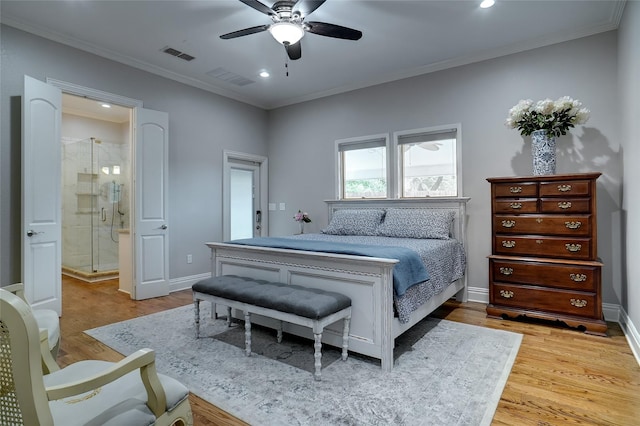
<point>543,150</point>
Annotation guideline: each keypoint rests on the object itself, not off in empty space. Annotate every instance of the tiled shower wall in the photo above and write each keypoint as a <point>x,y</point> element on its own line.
<point>90,209</point>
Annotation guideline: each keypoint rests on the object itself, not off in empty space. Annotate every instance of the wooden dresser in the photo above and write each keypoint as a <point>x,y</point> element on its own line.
<point>544,262</point>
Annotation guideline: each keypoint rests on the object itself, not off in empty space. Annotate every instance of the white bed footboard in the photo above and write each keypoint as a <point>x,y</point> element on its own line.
<point>367,281</point>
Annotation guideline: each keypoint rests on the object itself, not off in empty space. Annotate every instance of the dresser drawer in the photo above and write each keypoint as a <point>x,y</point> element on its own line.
<point>565,188</point>
<point>573,277</point>
<point>546,299</point>
<point>565,205</point>
<point>515,205</point>
<point>516,189</point>
<point>565,248</point>
<point>575,225</point>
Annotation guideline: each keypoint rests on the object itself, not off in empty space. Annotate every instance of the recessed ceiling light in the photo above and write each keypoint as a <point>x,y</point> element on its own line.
<point>105,105</point>
<point>264,74</point>
<point>487,3</point>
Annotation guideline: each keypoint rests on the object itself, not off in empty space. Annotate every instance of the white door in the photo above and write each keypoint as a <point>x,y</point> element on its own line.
<point>245,218</point>
<point>244,195</point>
<point>41,199</point>
<point>151,233</point>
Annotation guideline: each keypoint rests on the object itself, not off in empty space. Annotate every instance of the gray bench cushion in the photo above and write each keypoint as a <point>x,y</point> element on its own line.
<point>305,302</point>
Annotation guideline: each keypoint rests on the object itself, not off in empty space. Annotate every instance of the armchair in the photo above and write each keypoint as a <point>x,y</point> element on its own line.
<point>84,393</point>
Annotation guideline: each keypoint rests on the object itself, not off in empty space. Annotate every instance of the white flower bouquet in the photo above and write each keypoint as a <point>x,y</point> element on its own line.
<point>555,117</point>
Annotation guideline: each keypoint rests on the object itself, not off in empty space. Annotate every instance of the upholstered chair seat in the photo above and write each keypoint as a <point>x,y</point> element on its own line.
<point>122,402</point>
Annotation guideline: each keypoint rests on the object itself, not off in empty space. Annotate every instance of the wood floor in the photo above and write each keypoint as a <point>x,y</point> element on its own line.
<point>560,377</point>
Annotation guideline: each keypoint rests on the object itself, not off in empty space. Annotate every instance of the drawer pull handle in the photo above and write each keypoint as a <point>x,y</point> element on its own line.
<point>506,271</point>
<point>573,225</point>
<point>515,206</point>
<point>509,244</point>
<point>539,220</point>
<point>578,277</point>
<point>564,188</point>
<point>539,241</point>
<point>508,294</point>
<point>515,189</point>
<point>565,205</point>
<point>573,247</point>
<point>508,223</point>
<point>579,303</point>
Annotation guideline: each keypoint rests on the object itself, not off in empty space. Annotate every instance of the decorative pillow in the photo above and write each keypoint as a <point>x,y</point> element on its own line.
<point>417,223</point>
<point>355,222</point>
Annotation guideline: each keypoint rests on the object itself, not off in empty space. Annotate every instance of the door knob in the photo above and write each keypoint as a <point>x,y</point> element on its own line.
<point>163,227</point>
<point>31,233</point>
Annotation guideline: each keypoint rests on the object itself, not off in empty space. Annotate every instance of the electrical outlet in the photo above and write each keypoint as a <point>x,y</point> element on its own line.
<point>189,258</point>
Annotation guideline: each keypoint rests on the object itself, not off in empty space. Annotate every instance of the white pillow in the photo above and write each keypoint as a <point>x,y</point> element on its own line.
<point>355,222</point>
<point>417,223</point>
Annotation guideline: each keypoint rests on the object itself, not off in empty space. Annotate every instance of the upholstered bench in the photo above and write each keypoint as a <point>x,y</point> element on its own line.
<point>294,304</point>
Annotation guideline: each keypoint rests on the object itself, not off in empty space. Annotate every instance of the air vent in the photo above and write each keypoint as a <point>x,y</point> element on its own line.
<point>229,77</point>
<point>178,54</point>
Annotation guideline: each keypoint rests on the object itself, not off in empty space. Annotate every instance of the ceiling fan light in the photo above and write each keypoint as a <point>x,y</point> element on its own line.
<point>286,32</point>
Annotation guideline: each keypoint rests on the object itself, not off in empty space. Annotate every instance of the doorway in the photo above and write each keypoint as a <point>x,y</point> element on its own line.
<point>96,186</point>
<point>42,193</point>
<point>244,196</point>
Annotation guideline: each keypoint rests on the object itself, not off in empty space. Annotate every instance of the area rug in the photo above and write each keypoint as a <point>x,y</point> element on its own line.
<point>445,373</point>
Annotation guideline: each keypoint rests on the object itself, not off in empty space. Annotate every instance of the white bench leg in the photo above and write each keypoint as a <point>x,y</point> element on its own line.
<point>247,333</point>
<point>196,304</point>
<point>214,311</point>
<point>279,330</point>
<point>317,355</point>
<point>345,339</point>
<point>228,316</point>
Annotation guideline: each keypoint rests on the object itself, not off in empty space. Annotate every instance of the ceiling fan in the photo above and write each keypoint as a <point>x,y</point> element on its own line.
<point>289,24</point>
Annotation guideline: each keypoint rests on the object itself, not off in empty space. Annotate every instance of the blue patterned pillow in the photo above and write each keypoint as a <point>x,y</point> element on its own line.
<point>355,222</point>
<point>417,223</point>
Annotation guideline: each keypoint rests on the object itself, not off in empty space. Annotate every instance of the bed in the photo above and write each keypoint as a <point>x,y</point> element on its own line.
<point>379,313</point>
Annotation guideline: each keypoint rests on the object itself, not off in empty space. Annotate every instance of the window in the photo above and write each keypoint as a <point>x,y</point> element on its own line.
<point>427,163</point>
<point>363,167</point>
<point>419,163</point>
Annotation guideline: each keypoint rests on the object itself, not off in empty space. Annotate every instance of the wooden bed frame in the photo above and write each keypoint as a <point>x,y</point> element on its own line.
<point>366,280</point>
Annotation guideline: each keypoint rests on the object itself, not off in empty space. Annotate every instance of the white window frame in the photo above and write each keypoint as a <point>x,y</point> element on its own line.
<point>394,171</point>
<point>362,140</point>
<point>397,171</point>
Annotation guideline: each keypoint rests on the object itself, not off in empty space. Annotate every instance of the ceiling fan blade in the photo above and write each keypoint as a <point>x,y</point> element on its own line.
<point>306,7</point>
<point>246,31</point>
<point>332,30</point>
<point>294,51</point>
<point>259,7</point>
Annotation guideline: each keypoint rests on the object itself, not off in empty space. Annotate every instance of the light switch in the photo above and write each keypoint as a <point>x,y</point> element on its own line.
<point>272,207</point>
<point>283,206</point>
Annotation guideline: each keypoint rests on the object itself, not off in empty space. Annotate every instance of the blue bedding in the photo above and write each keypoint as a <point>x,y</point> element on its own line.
<point>408,272</point>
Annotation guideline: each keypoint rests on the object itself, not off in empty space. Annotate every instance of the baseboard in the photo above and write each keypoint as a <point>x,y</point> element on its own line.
<point>631,333</point>
<point>184,283</point>
<point>478,294</point>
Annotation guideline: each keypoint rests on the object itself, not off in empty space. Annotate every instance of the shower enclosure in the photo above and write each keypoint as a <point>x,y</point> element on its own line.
<point>95,206</point>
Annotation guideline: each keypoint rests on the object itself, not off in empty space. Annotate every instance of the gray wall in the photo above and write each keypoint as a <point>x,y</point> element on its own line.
<point>201,125</point>
<point>301,138</point>
<point>629,92</point>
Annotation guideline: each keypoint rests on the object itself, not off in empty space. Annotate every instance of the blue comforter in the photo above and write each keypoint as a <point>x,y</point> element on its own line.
<point>408,272</point>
